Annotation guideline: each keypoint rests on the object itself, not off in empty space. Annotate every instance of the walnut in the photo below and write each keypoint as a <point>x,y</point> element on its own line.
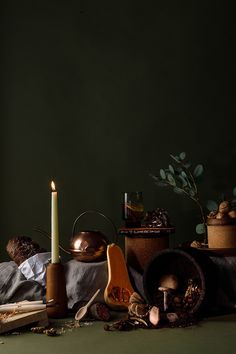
<point>213,214</point>
<point>224,207</point>
<point>196,244</point>
<point>232,214</point>
<point>220,215</point>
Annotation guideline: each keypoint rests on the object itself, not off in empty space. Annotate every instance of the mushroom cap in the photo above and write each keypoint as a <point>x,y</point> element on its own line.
<point>154,316</point>
<point>169,281</point>
<point>164,288</point>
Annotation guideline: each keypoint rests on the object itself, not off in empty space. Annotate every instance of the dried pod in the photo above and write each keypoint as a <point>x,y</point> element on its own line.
<point>138,320</point>
<point>38,330</point>
<point>132,308</point>
<point>232,214</point>
<point>139,310</point>
<point>51,332</point>
<point>136,299</point>
<point>224,207</point>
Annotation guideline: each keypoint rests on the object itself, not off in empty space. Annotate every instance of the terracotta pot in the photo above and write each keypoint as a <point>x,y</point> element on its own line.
<point>221,236</point>
<point>184,264</point>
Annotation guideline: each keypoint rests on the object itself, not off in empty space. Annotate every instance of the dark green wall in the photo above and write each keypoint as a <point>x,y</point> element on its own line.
<point>96,94</point>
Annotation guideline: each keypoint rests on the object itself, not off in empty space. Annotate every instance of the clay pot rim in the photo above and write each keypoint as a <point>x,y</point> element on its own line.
<point>221,222</point>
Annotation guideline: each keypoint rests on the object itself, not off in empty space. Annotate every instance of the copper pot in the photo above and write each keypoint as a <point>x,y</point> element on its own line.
<point>90,245</point>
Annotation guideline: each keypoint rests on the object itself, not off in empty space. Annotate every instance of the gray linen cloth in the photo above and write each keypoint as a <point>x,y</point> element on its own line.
<point>83,279</point>
<point>14,286</point>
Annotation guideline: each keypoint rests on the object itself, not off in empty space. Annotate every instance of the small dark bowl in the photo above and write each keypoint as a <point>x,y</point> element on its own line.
<point>88,246</point>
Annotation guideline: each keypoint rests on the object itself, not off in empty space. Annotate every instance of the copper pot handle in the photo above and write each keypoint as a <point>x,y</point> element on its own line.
<point>94,212</point>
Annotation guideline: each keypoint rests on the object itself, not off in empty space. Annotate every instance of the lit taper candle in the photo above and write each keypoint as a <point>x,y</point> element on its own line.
<point>54,226</point>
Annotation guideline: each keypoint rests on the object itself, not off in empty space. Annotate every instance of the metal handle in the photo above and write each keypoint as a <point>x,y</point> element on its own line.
<point>94,212</point>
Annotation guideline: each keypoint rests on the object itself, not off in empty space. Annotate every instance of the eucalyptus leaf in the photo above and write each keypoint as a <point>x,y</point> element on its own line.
<point>162,183</point>
<point>192,192</point>
<point>183,173</point>
<point>154,177</point>
<point>211,205</point>
<point>234,192</point>
<point>175,158</point>
<point>183,180</point>
<point>162,173</point>
<point>187,165</point>
<point>178,190</point>
<point>171,179</point>
<point>182,155</point>
<point>198,170</point>
<point>171,169</point>
<point>200,229</point>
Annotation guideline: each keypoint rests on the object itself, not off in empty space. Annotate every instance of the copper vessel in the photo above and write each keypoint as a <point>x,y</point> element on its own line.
<point>89,245</point>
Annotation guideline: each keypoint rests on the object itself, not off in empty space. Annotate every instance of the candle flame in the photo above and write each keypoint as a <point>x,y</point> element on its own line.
<point>53,186</point>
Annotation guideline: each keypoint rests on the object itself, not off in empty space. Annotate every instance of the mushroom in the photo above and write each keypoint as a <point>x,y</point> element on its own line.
<point>154,316</point>
<point>169,281</point>
<point>165,291</point>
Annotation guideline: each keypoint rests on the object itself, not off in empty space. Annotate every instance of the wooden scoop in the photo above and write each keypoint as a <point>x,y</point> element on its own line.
<point>83,310</point>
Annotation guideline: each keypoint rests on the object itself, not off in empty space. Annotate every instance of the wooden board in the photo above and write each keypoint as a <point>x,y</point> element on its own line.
<point>40,318</point>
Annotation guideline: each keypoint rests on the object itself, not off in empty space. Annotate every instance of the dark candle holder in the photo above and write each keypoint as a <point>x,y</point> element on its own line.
<point>56,290</point>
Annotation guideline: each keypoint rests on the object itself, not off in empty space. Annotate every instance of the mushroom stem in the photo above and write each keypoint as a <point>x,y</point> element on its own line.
<point>165,291</point>
<point>165,301</point>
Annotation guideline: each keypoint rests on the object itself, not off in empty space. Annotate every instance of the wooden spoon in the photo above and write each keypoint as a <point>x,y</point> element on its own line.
<point>83,310</point>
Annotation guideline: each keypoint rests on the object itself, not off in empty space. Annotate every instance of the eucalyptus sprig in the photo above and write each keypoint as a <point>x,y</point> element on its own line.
<point>182,177</point>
